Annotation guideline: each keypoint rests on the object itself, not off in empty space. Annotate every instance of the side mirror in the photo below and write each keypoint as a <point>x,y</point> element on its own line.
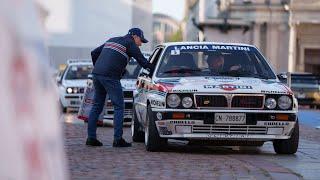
<point>282,76</point>
<point>145,72</point>
<point>285,77</point>
<point>58,80</point>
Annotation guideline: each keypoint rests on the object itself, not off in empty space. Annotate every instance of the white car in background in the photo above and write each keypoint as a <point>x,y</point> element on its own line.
<point>128,83</point>
<point>72,82</point>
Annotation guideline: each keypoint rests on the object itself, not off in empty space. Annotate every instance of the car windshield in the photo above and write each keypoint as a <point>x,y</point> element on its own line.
<point>214,60</point>
<point>78,72</point>
<point>132,70</point>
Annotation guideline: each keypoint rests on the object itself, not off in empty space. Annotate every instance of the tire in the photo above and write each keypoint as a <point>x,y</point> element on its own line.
<point>137,135</point>
<point>288,146</point>
<point>63,109</point>
<point>152,140</point>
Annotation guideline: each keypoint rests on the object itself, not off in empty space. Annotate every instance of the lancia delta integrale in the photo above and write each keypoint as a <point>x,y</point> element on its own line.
<point>225,94</point>
<point>72,82</point>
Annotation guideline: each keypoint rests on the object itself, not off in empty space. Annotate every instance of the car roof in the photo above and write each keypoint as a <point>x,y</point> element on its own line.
<point>204,43</point>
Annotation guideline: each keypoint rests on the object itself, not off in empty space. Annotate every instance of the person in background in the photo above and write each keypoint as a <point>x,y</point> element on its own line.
<point>110,61</point>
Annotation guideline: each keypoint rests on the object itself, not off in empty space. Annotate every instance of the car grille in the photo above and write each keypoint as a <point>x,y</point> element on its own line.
<point>229,129</point>
<point>81,90</point>
<point>126,112</point>
<point>211,101</point>
<point>128,94</point>
<point>247,102</point>
<point>235,101</point>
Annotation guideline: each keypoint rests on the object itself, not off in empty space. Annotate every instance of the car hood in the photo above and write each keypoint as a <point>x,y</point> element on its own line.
<point>75,83</point>
<point>128,84</point>
<point>223,85</point>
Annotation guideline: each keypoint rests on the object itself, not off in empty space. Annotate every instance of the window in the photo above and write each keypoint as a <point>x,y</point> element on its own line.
<point>210,60</point>
<point>78,72</point>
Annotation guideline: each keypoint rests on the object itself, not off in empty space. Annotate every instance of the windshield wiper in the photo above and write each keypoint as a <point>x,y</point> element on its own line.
<point>243,74</point>
<point>236,73</point>
<point>183,70</point>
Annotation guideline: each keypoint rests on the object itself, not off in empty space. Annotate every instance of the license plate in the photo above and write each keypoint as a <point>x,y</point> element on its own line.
<point>230,118</point>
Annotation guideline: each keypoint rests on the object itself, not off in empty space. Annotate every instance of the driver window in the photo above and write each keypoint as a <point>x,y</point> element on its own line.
<point>153,60</point>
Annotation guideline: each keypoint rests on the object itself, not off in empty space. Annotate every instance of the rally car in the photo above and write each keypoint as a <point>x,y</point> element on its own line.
<point>128,83</point>
<point>72,83</point>
<point>216,93</point>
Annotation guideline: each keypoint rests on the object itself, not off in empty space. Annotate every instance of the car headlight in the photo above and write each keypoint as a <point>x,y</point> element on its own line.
<point>75,90</point>
<point>69,90</point>
<point>187,102</point>
<point>271,103</point>
<point>284,102</point>
<point>173,100</point>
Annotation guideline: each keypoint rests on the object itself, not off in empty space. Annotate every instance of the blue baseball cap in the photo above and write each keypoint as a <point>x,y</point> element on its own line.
<point>138,32</point>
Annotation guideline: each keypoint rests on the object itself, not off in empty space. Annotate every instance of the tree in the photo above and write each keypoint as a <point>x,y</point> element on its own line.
<point>176,36</point>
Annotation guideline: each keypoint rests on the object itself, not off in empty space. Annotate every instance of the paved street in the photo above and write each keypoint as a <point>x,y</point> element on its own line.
<point>182,161</point>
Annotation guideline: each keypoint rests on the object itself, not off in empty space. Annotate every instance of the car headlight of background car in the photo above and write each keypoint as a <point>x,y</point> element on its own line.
<point>74,90</point>
<point>179,100</point>
<point>284,102</point>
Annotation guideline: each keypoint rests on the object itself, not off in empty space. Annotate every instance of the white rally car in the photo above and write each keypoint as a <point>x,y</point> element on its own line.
<point>128,83</point>
<point>213,93</point>
<point>72,82</point>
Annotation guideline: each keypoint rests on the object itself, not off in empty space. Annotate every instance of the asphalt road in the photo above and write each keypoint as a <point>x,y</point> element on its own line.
<point>182,161</point>
<point>310,117</point>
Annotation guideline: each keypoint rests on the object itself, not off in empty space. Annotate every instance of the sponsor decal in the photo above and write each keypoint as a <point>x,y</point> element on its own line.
<point>177,49</point>
<point>227,136</point>
<point>227,87</point>
<point>182,122</point>
<point>275,123</point>
<point>184,90</point>
<point>273,92</point>
<point>157,103</point>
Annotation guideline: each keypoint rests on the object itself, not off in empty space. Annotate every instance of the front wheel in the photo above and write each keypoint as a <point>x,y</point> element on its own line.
<point>137,135</point>
<point>63,109</point>
<point>152,140</point>
<point>288,146</point>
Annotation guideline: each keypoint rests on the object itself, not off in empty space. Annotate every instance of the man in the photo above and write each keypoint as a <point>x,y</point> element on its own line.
<point>216,64</point>
<point>110,61</point>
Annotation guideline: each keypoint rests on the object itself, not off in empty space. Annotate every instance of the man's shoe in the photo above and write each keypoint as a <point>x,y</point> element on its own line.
<point>121,143</point>
<point>93,142</point>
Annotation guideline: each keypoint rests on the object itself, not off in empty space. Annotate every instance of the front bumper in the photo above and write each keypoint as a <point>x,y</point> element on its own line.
<point>72,100</point>
<point>201,126</point>
<point>127,115</point>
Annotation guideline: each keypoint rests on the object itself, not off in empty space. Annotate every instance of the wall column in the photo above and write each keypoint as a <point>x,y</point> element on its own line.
<point>292,48</point>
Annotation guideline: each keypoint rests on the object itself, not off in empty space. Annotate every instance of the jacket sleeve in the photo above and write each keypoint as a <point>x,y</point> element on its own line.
<point>96,53</point>
<point>134,51</point>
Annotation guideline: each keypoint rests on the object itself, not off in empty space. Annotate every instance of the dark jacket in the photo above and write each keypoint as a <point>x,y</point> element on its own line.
<point>111,58</point>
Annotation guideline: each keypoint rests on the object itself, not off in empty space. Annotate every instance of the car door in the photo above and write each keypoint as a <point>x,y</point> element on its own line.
<point>143,82</point>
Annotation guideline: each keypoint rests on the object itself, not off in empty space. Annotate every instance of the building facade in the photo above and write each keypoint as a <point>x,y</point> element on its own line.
<point>276,27</point>
<point>164,27</point>
<point>76,27</point>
